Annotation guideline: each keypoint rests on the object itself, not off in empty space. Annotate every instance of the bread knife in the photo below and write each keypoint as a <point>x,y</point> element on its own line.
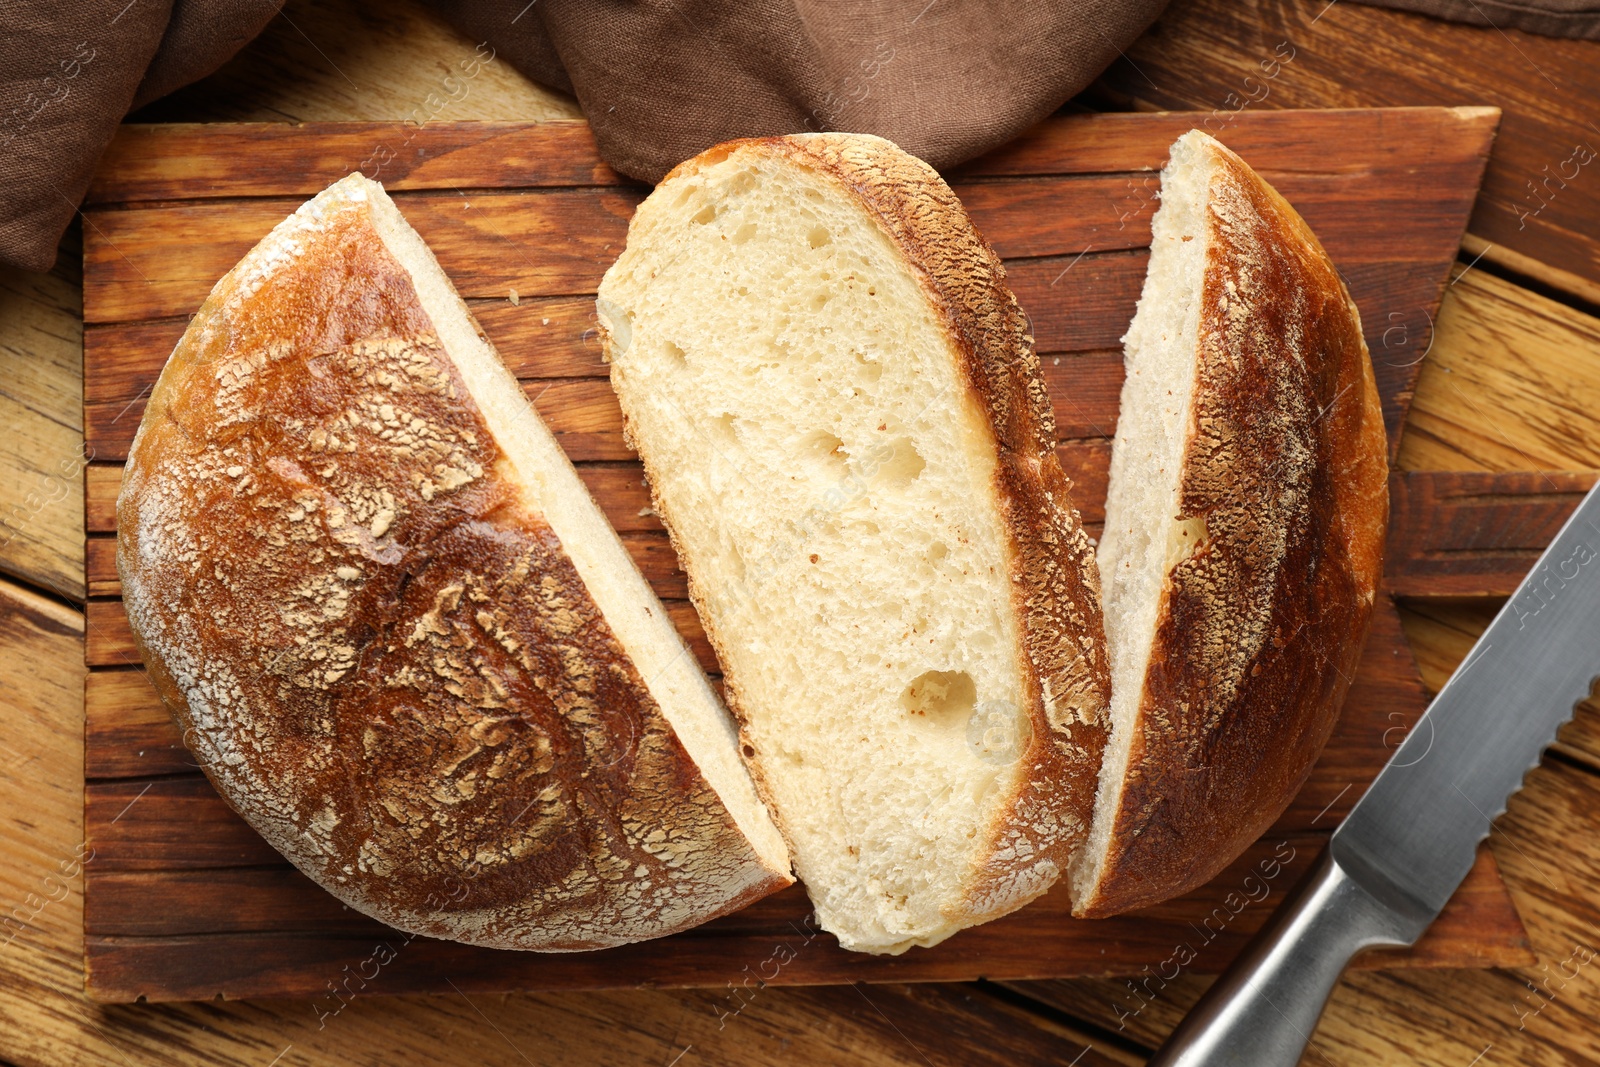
<point>1399,855</point>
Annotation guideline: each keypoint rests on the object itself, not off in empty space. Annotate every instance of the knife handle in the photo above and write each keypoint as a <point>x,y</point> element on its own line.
<point>1262,1011</point>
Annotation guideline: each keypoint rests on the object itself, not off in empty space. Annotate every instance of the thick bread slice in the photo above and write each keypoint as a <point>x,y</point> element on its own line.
<point>840,412</point>
<point>1244,531</point>
<point>395,629</point>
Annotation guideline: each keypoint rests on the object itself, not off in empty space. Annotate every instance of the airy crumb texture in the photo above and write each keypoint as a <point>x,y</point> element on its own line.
<point>1244,529</point>
<point>396,631</point>
<point>841,417</point>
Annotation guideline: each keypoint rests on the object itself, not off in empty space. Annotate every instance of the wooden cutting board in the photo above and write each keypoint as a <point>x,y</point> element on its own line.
<point>183,900</point>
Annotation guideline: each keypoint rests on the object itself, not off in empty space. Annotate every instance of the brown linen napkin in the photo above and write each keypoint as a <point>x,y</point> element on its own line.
<point>69,72</point>
<point>661,80</point>
<point>1552,18</point>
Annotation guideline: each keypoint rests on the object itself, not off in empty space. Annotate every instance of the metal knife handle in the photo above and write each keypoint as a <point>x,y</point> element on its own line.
<point>1262,1011</point>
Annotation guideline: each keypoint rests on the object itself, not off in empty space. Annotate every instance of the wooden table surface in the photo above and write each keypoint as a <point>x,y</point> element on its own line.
<point>1512,382</point>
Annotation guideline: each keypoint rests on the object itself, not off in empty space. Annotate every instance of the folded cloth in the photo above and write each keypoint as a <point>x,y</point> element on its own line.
<point>661,80</point>
<point>69,72</point>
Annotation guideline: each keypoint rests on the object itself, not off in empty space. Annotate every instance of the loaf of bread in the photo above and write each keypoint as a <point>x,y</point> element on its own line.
<point>394,627</point>
<point>1244,532</point>
<point>841,415</point>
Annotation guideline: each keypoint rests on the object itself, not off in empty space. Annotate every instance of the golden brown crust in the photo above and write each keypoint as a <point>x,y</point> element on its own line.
<point>1055,580</point>
<point>381,655</point>
<point>1264,623</point>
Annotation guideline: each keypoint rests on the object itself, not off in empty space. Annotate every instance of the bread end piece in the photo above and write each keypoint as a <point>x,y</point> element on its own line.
<point>1244,532</point>
<point>395,630</point>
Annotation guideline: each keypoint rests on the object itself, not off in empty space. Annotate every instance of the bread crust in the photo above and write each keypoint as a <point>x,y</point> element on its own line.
<point>373,643</point>
<point>1055,582</point>
<point>1263,624</point>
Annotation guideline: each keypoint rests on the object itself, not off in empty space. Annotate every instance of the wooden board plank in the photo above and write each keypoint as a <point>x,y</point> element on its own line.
<point>1074,237</point>
<point>1473,534</point>
<point>41,455</point>
<point>138,165</point>
<point>441,155</point>
<point>1040,940</point>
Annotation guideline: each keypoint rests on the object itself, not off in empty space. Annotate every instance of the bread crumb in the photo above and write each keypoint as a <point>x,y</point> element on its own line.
<point>516,301</point>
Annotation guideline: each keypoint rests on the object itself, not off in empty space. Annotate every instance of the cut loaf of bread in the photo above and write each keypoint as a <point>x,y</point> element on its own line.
<point>1244,531</point>
<point>395,629</point>
<point>838,405</point>
<point>840,412</point>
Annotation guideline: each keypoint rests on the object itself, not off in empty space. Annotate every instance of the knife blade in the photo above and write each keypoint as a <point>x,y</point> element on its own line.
<point>1405,847</point>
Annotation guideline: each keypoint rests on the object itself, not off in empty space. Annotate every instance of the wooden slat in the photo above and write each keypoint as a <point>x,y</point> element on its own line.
<point>440,155</point>
<point>1298,140</point>
<point>1473,534</point>
<point>1039,940</point>
<point>127,731</point>
<point>489,155</point>
<point>167,823</point>
<point>101,484</point>
<point>41,453</point>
